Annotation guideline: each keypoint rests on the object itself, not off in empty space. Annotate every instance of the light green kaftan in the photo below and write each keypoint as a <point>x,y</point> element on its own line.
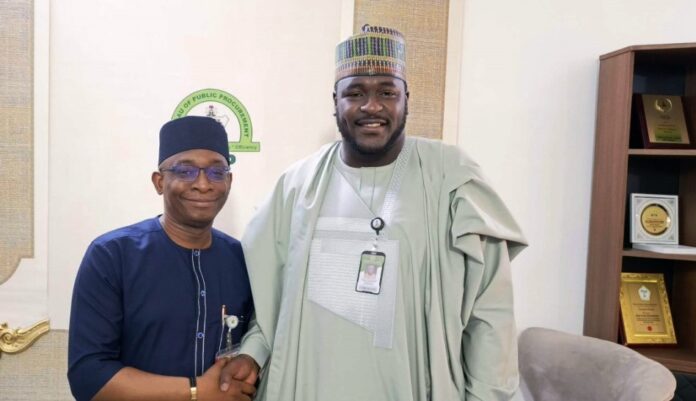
<point>441,328</point>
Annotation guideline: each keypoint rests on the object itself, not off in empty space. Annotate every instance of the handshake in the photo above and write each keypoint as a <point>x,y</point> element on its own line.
<point>230,379</point>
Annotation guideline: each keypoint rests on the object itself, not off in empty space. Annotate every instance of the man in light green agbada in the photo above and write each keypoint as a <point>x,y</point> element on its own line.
<point>437,322</point>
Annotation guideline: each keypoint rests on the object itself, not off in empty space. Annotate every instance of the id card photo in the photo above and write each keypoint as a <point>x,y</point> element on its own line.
<point>370,272</point>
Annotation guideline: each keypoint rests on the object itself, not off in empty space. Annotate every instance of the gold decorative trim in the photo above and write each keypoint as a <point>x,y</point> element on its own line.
<point>13,341</point>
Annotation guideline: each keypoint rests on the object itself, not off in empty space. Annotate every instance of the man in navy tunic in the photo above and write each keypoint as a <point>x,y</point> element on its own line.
<point>155,301</point>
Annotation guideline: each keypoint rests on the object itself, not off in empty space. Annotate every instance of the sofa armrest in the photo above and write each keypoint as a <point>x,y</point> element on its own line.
<point>560,366</point>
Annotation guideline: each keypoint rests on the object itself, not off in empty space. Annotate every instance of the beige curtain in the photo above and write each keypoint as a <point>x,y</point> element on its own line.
<point>424,24</point>
<point>16,135</point>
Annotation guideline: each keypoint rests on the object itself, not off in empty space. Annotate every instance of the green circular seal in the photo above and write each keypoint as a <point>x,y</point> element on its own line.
<point>228,101</point>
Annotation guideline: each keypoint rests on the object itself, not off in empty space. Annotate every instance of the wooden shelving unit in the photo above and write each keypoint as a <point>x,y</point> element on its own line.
<point>622,167</point>
<point>663,152</point>
<point>637,253</point>
<point>678,359</point>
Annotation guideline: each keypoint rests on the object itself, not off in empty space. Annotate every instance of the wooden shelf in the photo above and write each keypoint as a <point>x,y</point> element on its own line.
<point>663,152</point>
<point>685,48</point>
<point>635,253</point>
<point>669,68</point>
<point>677,359</point>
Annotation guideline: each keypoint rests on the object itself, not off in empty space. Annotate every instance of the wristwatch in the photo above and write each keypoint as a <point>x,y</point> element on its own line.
<point>194,390</point>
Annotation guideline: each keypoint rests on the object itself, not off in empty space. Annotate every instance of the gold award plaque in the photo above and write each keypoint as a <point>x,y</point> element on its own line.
<point>645,311</point>
<point>654,219</point>
<point>664,120</point>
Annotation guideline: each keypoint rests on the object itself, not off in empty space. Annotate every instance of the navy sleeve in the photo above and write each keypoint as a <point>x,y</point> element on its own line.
<point>96,320</point>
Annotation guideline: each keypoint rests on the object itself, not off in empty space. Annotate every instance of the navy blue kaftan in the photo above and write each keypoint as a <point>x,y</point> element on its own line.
<point>142,301</point>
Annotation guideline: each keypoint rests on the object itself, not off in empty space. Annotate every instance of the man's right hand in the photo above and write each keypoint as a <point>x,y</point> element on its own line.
<point>240,368</point>
<point>208,386</point>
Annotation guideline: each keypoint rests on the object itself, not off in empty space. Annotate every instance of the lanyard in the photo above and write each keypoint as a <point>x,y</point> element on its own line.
<point>379,222</point>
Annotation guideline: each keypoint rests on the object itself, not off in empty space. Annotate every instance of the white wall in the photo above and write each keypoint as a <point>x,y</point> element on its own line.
<point>529,84</point>
<point>119,69</point>
<point>528,93</point>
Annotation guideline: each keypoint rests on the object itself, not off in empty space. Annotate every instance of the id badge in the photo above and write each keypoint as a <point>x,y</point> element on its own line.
<point>370,272</point>
<point>228,352</point>
<point>229,322</point>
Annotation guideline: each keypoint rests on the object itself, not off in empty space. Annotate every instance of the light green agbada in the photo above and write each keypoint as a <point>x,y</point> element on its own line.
<point>456,293</point>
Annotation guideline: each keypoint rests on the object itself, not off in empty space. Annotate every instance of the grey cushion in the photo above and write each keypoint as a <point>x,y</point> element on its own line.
<point>560,366</point>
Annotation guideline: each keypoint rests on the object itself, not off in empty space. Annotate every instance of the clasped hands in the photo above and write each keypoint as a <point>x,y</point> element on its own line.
<point>230,379</point>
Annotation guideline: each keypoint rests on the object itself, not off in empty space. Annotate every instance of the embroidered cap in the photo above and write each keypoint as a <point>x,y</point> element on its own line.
<point>192,132</point>
<point>375,51</point>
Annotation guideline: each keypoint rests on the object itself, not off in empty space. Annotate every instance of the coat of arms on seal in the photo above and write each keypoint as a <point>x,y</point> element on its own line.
<point>221,106</point>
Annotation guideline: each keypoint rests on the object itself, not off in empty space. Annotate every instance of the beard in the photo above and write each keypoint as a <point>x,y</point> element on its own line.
<point>354,145</point>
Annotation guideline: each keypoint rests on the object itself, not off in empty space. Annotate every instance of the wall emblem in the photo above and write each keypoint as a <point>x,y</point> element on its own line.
<point>221,106</point>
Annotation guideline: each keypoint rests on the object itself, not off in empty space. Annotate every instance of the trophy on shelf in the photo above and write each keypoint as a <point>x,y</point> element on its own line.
<point>662,121</point>
<point>645,313</point>
<point>655,224</point>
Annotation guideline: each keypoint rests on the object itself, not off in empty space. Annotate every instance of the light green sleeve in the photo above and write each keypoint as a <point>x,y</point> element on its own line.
<point>485,231</point>
<point>265,251</point>
<point>266,245</point>
<point>489,341</point>
<point>255,345</point>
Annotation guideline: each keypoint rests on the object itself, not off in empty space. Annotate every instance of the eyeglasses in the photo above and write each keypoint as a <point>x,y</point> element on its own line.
<point>188,173</point>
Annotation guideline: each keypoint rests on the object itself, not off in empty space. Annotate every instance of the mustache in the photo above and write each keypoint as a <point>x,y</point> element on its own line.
<point>376,116</point>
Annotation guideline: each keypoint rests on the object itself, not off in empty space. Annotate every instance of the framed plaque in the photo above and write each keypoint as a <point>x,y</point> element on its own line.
<point>654,219</point>
<point>645,311</point>
<point>662,121</point>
